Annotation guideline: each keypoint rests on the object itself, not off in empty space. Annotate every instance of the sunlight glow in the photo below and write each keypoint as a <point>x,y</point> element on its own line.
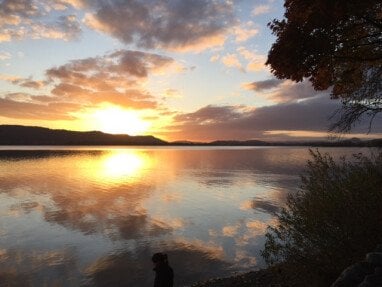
<point>117,166</point>
<point>118,121</point>
<point>123,164</point>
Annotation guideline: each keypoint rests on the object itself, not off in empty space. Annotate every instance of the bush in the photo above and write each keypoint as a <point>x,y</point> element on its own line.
<point>332,221</point>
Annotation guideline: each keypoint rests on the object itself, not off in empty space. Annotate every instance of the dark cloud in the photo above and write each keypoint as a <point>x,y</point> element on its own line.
<point>284,91</point>
<point>210,114</point>
<point>29,83</point>
<point>232,122</point>
<point>265,206</point>
<point>176,24</point>
<point>260,86</point>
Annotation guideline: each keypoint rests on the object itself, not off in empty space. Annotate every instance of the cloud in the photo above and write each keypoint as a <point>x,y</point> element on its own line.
<point>214,58</point>
<point>5,56</point>
<point>210,114</point>
<point>26,83</point>
<point>245,32</point>
<point>21,19</point>
<point>261,9</point>
<point>260,86</point>
<point>283,90</point>
<point>174,25</point>
<point>244,60</point>
<point>117,78</point>
<point>9,78</point>
<point>239,122</point>
<point>256,62</point>
<point>172,93</point>
<point>31,108</point>
<point>63,4</point>
<point>304,119</point>
<point>31,84</point>
<point>290,91</point>
<point>231,60</point>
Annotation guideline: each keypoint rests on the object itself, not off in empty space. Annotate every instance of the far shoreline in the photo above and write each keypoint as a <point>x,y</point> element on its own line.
<point>16,135</point>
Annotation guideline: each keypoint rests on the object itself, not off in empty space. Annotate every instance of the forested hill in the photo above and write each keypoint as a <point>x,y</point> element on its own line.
<point>27,135</point>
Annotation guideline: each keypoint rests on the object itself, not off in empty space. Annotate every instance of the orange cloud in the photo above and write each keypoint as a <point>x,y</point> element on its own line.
<point>117,78</point>
<point>245,32</point>
<point>261,9</point>
<point>231,60</point>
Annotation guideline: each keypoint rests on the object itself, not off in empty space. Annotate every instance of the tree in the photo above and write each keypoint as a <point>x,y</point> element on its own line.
<point>331,222</point>
<point>335,44</point>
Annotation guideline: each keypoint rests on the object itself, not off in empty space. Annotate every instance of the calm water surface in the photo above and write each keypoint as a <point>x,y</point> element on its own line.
<point>94,216</point>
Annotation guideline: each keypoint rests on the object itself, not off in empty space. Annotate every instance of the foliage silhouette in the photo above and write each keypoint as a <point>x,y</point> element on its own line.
<point>332,221</point>
<point>335,44</point>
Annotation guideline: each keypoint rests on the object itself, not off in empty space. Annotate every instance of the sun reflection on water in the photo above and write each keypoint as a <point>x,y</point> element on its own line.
<point>124,164</point>
<point>119,166</point>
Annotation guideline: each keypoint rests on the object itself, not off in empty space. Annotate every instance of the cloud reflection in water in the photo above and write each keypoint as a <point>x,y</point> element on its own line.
<point>112,208</point>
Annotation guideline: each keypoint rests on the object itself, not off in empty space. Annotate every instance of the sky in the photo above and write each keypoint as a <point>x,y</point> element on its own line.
<point>178,69</point>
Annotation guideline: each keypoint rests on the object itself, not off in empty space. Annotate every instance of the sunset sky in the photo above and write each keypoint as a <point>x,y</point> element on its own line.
<point>177,69</point>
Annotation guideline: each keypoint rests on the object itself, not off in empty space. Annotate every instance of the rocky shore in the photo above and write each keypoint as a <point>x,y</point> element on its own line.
<point>270,277</point>
<point>367,273</point>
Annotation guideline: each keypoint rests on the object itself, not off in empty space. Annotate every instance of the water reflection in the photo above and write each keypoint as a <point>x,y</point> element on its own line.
<point>127,269</point>
<point>123,165</point>
<point>96,216</point>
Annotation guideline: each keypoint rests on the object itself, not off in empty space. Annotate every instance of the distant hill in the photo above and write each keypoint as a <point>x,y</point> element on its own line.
<point>239,143</point>
<point>27,135</point>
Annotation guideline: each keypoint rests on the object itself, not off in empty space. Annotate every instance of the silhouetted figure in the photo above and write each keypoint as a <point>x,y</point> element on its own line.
<point>164,275</point>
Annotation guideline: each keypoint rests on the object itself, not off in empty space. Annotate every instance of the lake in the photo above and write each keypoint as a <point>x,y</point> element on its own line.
<point>93,216</point>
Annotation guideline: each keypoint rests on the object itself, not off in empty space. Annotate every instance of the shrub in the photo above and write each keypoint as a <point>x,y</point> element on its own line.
<point>332,221</point>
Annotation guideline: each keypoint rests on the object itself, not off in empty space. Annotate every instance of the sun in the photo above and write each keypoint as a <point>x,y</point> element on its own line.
<point>118,121</point>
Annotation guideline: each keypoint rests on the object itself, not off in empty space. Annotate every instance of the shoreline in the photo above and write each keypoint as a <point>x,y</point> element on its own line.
<point>271,276</point>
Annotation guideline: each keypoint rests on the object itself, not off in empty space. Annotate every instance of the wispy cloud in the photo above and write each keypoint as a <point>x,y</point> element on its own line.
<point>255,61</point>
<point>261,9</point>
<point>242,59</point>
<point>5,56</point>
<point>231,60</point>
<point>245,32</point>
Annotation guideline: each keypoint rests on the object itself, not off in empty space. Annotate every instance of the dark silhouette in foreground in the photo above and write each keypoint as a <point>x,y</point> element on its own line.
<point>164,275</point>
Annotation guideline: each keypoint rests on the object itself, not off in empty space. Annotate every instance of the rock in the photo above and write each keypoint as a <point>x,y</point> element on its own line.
<point>374,258</point>
<point>379,248</point>
<point>378,271</point>
<point>353,275</point>
<point>372,281</point>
